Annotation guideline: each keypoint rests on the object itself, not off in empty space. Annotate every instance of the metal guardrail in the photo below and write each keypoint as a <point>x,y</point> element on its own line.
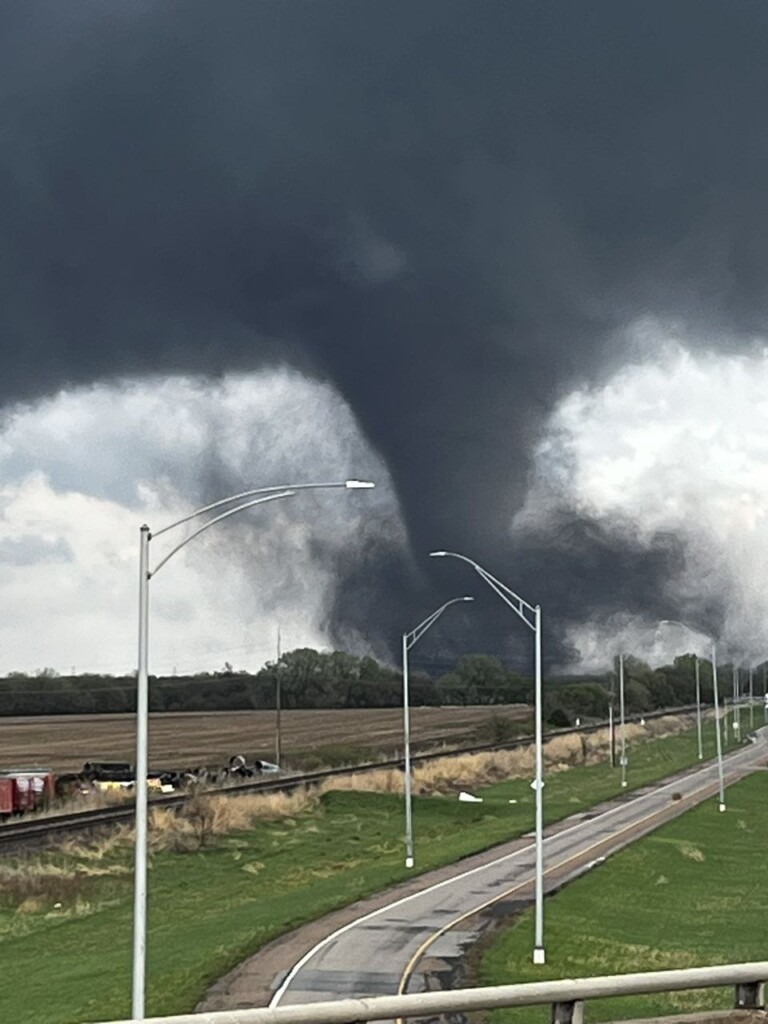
<point>566,998</point>
<point>31,828</point>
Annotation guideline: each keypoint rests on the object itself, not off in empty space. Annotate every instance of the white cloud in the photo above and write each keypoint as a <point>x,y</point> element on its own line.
<point>81,471</point>
<point>678,445</point>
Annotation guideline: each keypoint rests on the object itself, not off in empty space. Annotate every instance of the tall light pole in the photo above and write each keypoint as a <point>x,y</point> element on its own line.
<point>531,616</point>
<point>718,741</point>
<point>717,727</point>
<point>409,639</point>
<point>623,755</point>
<point>278,703</point>
<point>751,700</point>
<point>231,505</point>
<point>611,739</point>
<point>697,680</point>
<point>623,759</point>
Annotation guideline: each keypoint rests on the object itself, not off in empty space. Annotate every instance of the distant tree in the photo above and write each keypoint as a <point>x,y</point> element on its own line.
<point>586,700</point>
<point>451,689</point>
<point>423,689</point>
<point>637,698</point>
<point>371,670</point>
<point>479,672</point>
<point>558,718</point>
<point>659,694</point>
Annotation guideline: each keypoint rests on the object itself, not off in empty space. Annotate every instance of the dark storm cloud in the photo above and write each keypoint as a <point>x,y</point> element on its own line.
<point>446,208</point>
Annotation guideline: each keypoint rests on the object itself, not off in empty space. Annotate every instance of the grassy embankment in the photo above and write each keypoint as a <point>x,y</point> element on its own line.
<point>693,893</point>
<point>288,860</point>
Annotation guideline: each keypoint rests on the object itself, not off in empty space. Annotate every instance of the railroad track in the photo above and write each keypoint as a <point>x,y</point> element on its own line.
<point>36,829</point>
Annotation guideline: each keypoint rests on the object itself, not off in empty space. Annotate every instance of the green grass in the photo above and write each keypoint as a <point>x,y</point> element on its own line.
<point>210,909</point>
<point>693,893</point>
<point>569,791</point>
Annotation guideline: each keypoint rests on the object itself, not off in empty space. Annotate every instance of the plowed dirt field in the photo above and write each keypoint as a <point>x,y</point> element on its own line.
<point>65,742</point>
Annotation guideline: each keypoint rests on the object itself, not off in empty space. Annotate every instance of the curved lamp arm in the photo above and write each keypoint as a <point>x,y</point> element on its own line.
<point>216,519</point>
<point>517,603</point>
<point>419,631</point>
<point>350,485</point>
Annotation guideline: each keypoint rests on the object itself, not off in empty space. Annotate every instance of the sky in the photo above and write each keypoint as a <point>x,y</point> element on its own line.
<point>507,261</point>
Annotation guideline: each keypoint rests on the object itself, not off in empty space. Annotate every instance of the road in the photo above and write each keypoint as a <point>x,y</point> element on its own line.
<point>403,946</point>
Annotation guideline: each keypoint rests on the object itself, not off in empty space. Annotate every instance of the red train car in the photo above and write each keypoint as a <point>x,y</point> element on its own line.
<point>25,789</point>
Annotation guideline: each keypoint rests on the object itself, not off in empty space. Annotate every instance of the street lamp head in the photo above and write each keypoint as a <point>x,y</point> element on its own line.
<point>466,599</point>
<point>437,554</point>
<point>358,485</point>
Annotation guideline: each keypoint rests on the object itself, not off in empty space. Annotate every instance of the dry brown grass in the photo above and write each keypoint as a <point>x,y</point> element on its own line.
<point>450,774</point>
<point>203,817</point>
<point>565,750</point>
<point>386,780</point>
<point>596,745</point>
<point>98,847</point>
<point>667,725</point>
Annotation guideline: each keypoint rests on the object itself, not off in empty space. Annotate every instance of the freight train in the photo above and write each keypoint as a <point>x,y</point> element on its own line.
<point>26,789</point>
<point>33,789</point>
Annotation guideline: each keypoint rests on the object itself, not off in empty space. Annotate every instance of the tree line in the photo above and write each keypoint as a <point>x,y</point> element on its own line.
<point>306,678</point>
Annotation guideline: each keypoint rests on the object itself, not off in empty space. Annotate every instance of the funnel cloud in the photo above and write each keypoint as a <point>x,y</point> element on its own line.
<point>453,215</point>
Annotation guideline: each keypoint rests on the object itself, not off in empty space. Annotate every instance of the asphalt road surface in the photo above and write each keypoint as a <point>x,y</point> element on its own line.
<point>404,946</point>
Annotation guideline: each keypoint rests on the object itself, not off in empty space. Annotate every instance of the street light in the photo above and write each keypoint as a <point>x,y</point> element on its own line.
<point>623,756</point>
<point>697,679</point>
<point>278,703</point>
<point>409,639</point>
<point>698,704</point>
<point>239,504</point>
<point>524,610</point>
<point>718,741</point>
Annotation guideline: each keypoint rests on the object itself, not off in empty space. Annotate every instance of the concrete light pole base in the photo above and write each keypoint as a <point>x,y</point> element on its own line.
<point>722,807</point>
<point>539,956</point>
<point>409,862</point>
